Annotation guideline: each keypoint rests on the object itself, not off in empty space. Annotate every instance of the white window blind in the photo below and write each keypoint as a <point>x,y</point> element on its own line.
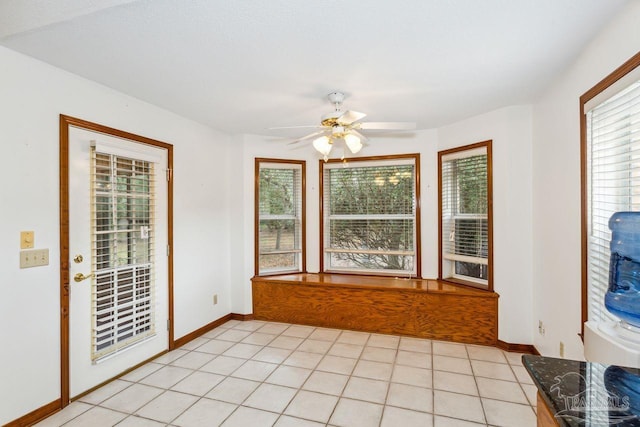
<point>613,183</point>
<point>123,219</point>
<point>465,215</point>
<point>280,217</point>
<point>370,216</point>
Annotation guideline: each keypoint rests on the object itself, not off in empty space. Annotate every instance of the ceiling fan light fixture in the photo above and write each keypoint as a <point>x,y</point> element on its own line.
<point>323,145</point>
<point>353,142</point>
<point>344,126</point>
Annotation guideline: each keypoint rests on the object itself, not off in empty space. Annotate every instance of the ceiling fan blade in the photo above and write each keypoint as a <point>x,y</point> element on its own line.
<point>349,117</point>
<point>386,126</point>
<point>359,135</point>
<point>297,127</point>
<point>311,135</point>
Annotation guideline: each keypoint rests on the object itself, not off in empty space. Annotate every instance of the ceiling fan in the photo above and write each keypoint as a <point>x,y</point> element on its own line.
<point>345,126</point>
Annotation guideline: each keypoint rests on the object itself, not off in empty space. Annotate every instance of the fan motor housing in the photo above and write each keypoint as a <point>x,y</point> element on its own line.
<point>331,119</point>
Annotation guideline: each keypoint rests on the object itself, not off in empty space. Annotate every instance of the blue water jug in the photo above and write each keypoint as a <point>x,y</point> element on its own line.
<point>623,296</point>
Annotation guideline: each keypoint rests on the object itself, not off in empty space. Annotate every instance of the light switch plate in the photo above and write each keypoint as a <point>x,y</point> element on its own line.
<point>34,258</point>
<point>26,239</point>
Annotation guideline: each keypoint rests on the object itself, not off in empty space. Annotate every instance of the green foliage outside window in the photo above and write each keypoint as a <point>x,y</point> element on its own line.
<point>277,198</point>
<point>279,218</point>
<point>372,209</point>
<point>472,183</point>
<point>471,233</point>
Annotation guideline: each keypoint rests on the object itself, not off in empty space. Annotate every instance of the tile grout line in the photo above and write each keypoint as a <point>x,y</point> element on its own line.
<point>192,350</point>
<point>433,389</point>
<point>263,381</point>
<point>475,380</point>
<point>393,367</point>
<point>200,398</point>
<point>341,395</point>
<point>282,413</point>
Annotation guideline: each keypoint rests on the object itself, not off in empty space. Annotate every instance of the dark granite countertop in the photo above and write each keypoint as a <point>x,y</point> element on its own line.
<point>587,394</point>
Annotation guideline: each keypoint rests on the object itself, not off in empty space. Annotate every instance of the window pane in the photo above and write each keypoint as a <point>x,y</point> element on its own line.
<point>373,234</point>
<point>358,261</point>
<point>277,192</point>
<point>464,210</point>
<point>275,262</point>
<point>613,183</point>
<point>277,235</point>
<point>471,237</point>
<point>122,233</point>
<point>279,216</point>
<point>370,216</point>
<point>470,269</point>
<point>372,190</point>
<point>471,179</point>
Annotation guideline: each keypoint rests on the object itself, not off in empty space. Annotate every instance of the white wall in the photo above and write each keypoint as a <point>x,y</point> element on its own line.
<point>32,96</point>
<point>556,188</point>
<point>509,128</point>
<point>241,256</point>
<point>510,132</point>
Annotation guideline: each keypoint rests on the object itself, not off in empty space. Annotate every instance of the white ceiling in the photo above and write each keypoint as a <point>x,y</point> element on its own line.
<point>242,66</point>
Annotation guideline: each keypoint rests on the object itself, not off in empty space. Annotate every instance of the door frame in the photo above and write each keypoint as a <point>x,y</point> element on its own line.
<point>65,123</point>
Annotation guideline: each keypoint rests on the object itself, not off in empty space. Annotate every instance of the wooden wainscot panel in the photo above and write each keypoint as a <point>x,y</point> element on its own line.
<point>348,308</point>
<point>457,318</point>
<point>417,308</point>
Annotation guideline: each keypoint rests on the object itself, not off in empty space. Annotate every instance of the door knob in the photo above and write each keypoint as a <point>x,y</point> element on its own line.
<point>80,277</point>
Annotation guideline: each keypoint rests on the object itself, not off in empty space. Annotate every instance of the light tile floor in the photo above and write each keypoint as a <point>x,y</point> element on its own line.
<point>254,374</point>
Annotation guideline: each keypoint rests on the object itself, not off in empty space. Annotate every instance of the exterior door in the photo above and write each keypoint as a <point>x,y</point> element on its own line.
<point>118,250</point>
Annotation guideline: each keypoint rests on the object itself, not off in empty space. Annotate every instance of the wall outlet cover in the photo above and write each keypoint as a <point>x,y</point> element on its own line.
<point>26,239</point>
<point>34,258</point>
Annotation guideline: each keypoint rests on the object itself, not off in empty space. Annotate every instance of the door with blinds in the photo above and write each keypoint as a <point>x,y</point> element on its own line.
<point>118,236</point>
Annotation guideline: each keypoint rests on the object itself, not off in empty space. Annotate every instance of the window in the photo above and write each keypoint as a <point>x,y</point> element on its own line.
<point>370,215</point>
<point>123,234</point>
<point>611,182</point>
<point>280,222</point>
<point>465,215</point>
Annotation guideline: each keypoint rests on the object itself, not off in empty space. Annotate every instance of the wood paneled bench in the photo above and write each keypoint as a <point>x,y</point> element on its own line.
<point>415,307</point>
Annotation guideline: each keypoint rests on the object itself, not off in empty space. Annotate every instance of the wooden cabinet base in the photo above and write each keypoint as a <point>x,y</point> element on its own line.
<point>545,417</point>
<point>420,308</point>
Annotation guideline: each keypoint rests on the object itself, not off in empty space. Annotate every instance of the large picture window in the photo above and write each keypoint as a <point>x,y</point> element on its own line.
<point>465,215</point>
<point>611,182</point>
<point>370,215</point>
<point>280,221</point>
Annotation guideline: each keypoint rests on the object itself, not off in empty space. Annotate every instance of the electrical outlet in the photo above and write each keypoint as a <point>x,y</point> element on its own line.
<point>541,329</point>
<point>561,349</point>
<point>215,299</point>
